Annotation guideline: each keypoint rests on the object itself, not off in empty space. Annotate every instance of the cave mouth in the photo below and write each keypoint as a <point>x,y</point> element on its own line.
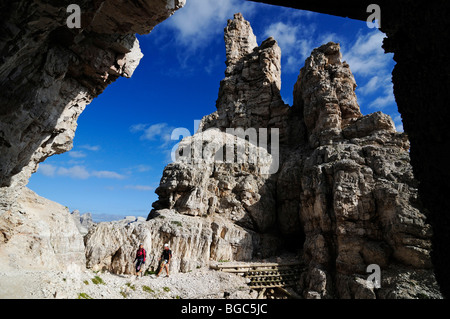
<point>410,102</point>
<point>293,243</point>
<point>120,152</point>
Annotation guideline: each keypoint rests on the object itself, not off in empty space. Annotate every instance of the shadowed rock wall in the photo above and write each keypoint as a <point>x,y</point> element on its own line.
<point>416,34</point>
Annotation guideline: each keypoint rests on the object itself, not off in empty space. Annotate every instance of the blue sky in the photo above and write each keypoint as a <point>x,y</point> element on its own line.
<point>123,143</point>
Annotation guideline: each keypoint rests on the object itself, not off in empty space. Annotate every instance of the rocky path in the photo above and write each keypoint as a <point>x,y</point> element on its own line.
<point>200,283</point>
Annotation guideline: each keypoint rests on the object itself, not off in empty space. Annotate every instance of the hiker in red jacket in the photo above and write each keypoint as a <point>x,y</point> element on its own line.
<point>140,257</point>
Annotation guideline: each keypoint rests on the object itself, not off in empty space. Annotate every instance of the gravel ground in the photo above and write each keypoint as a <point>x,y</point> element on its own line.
<point>198,284</point>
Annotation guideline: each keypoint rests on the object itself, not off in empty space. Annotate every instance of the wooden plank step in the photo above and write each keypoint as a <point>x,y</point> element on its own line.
<point>250,265</point>
<point>233,270</point>
<point>273,273</point>
<point>272,286</point>
<point>272,276</point>
<point>273,280</point>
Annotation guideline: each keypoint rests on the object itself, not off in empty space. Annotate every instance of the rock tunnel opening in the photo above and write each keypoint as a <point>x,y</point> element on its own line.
<point>371,123</point>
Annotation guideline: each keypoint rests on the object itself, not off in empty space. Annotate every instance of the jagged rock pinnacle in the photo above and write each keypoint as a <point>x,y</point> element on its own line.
<point>249,95</point>
<point>239,38</point>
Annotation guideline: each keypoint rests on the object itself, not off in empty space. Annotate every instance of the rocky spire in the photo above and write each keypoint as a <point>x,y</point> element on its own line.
<point>249,95</point>
<point>239,39</point>
<point>325,93</point>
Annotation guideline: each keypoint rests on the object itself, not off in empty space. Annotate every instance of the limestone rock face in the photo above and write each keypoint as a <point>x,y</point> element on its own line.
<point>249,95</point>
<point>83,222</point>
<point>325,93</point>
<point>354,189</point>
<point>239,39</point>
<point>344,194</point>
<point>202,184</point>
<point>194,241</point>
<point>206,211</point>
<point>41,235</point>
<point>48,74</point>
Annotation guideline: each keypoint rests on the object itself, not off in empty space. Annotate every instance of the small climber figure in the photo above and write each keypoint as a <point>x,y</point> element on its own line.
<point>166,256</point>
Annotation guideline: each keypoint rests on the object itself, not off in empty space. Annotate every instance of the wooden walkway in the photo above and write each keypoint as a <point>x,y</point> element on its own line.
<point>265,275</point>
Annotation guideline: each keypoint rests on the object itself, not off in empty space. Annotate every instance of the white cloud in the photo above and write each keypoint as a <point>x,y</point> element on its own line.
<point>156,132</point>
<point>107,174</point>
<point>366,57</point>
<point>380,86</point>
<point>47,169</point>
<point>369,44</point>
<point>300,13</point>
<point>286,35</point>
<point>76,172</point>
<point>382,101</point>
<point>82,154</point>
<point>296,41</point>
<point>139,187</point>
<point>137,127</point>
<point>369,62</point>
<point>88,147</point>
<point>77,154</point>
<point>295,46</point>
<point>137,169</point>
<point>212,63</point>
<point>143,168</point>
<point>201,21</point>
<point>371,86</point>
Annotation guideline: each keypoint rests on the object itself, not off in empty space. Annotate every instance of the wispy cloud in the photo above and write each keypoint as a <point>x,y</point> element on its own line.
<point>296,40</point>
<point>76,172</point>
<point>383,101</point>
<point>380,88</point>
<point>201,21</point>
<point>77,154</point>
<point>47,169</point>
<point>107,174</point>
<point>371,86</point>
<point>82,154</point>
<point>373,67</point>
<point>365,56</point>
<point>88,147</point>
<point>137,169</point>
<point>142,168</point>
<point>139,187</point>
<point>294,47</point>
<point>160,132</point>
